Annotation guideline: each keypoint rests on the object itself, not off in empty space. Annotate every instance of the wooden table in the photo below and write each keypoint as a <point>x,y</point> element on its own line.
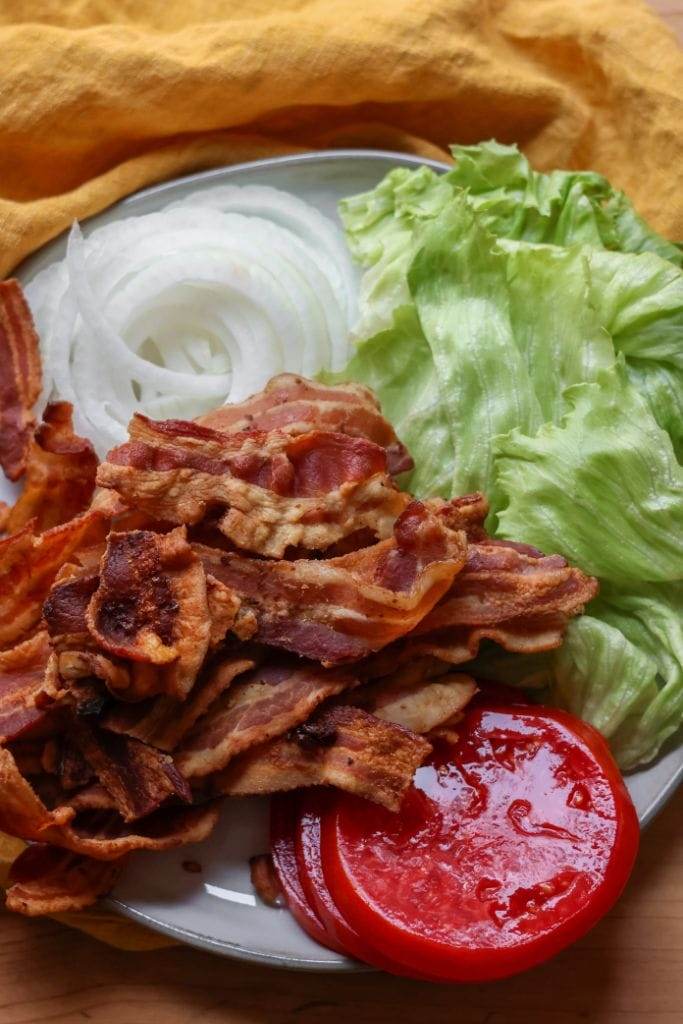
<point>629,970</point>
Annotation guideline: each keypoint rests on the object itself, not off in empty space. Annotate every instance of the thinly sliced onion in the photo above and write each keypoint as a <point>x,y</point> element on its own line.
<point>288,211</point>
<point>178,311</point>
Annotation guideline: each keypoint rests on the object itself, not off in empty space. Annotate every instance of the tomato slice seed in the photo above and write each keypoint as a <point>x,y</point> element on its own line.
<point>509,845</point>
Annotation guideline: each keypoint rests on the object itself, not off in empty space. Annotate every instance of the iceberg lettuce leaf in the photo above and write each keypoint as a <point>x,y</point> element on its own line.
<point>603,487</point>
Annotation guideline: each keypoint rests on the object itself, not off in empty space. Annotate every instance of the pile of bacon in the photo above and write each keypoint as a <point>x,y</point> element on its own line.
<point>240,605</point>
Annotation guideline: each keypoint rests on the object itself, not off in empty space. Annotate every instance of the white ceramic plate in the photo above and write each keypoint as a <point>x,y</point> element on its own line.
<point>217,909</point>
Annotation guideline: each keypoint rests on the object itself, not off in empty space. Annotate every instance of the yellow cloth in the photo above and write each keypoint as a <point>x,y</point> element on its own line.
<point>101,97</point>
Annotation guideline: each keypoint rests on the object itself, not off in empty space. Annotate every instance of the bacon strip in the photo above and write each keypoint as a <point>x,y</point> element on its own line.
<point>28,566</point>
<point>457,645</point>
<point>138,777</point>
<point>60,474</point>
<point>343,747</point>
<point>274,490</point>
<point>164,722</point>
<point>422,705</point>
<point>99,834</point>
<point>265,704</point>
<point>295,405</point>
<point>151,606</point>
<point>22,675</point>
<point>343,608</point>
<point>503,582</point>
<point>47,880</point>
<point>20,378</point>
<point>265,880</point>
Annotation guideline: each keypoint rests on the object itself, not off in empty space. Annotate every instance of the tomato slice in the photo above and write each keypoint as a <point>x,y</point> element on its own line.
<point>313,804</point>
<point>283,817</point>
<point>510,845</point>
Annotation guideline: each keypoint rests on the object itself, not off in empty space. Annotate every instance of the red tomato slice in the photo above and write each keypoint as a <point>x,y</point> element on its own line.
<point>312,805</point>
<point>282,830</point>
<point>509,846</point>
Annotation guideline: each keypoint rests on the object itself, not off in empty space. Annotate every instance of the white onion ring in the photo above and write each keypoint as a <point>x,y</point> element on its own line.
<point>178,311</point>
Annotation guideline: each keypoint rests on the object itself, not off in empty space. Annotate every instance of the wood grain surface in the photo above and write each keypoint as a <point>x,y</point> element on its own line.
<point>628,970</point>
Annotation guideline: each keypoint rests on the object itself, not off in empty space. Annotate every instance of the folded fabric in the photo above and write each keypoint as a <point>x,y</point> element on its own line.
<point>102,97</point>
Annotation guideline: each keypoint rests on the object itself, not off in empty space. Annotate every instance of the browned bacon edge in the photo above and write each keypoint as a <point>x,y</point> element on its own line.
<point>60,474</point>
<point>46,880</point>
<point>20,378</point>
<point>294,404</point>
<point>340,746</point>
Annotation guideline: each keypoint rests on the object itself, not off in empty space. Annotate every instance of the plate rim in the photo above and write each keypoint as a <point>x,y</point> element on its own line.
<point>197,939</point>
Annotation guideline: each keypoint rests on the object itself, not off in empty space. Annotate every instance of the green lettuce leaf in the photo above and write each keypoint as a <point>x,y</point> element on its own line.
<point>603,488</point>
<point>621,669</point>
<point>562,207</point>
<point>458,284</point>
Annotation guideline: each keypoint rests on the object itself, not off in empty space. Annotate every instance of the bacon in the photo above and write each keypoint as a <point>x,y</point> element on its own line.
<point>266,703</point>
<point>341,609</point>
<point>66,606</point>
<point>420,705</point>
<point>138,777</point>
<point>457,645</point>
<point>60,474</point>
<point>99,834</point>
<point>294,404</point>
<point>163,721</point>
<point>46,880</point>
<point>274,490</point>
<point>151,606</point>
<point>343,747</point>
<point>501,582</point>
<point>28,566</point>
<point>20,378</point>
<point>22,675</point>
<point>265,880</point>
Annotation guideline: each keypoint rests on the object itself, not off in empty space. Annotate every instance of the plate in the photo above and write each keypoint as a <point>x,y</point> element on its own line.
<point>216,908</point>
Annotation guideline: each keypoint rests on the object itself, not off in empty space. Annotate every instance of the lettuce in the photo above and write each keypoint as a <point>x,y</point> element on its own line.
<point>523,333</point>
<point>603,488</point>
<point>621,668</point>
<point>562,207</point>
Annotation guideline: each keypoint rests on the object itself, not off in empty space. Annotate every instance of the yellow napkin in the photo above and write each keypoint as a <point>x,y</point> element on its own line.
<point>99,98</point>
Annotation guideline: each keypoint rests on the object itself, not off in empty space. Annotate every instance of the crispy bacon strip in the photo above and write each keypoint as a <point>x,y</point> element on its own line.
<point>28,566</point>
<point>275,490</point>
<point>47,880</point>
<point>20,378</point>
<point>343,747</point>
<point>503,582</point>
<point>343,608</point>
<point>22,675</point>
<point>295,405</point>
<point>60,474</point>
<point>266,703</point>
<point>163,721</point>
<point>460,644</point>
<point>101,834</point>
<point>138,777</point>
<point>151,606</point>
<point>422,705</point>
